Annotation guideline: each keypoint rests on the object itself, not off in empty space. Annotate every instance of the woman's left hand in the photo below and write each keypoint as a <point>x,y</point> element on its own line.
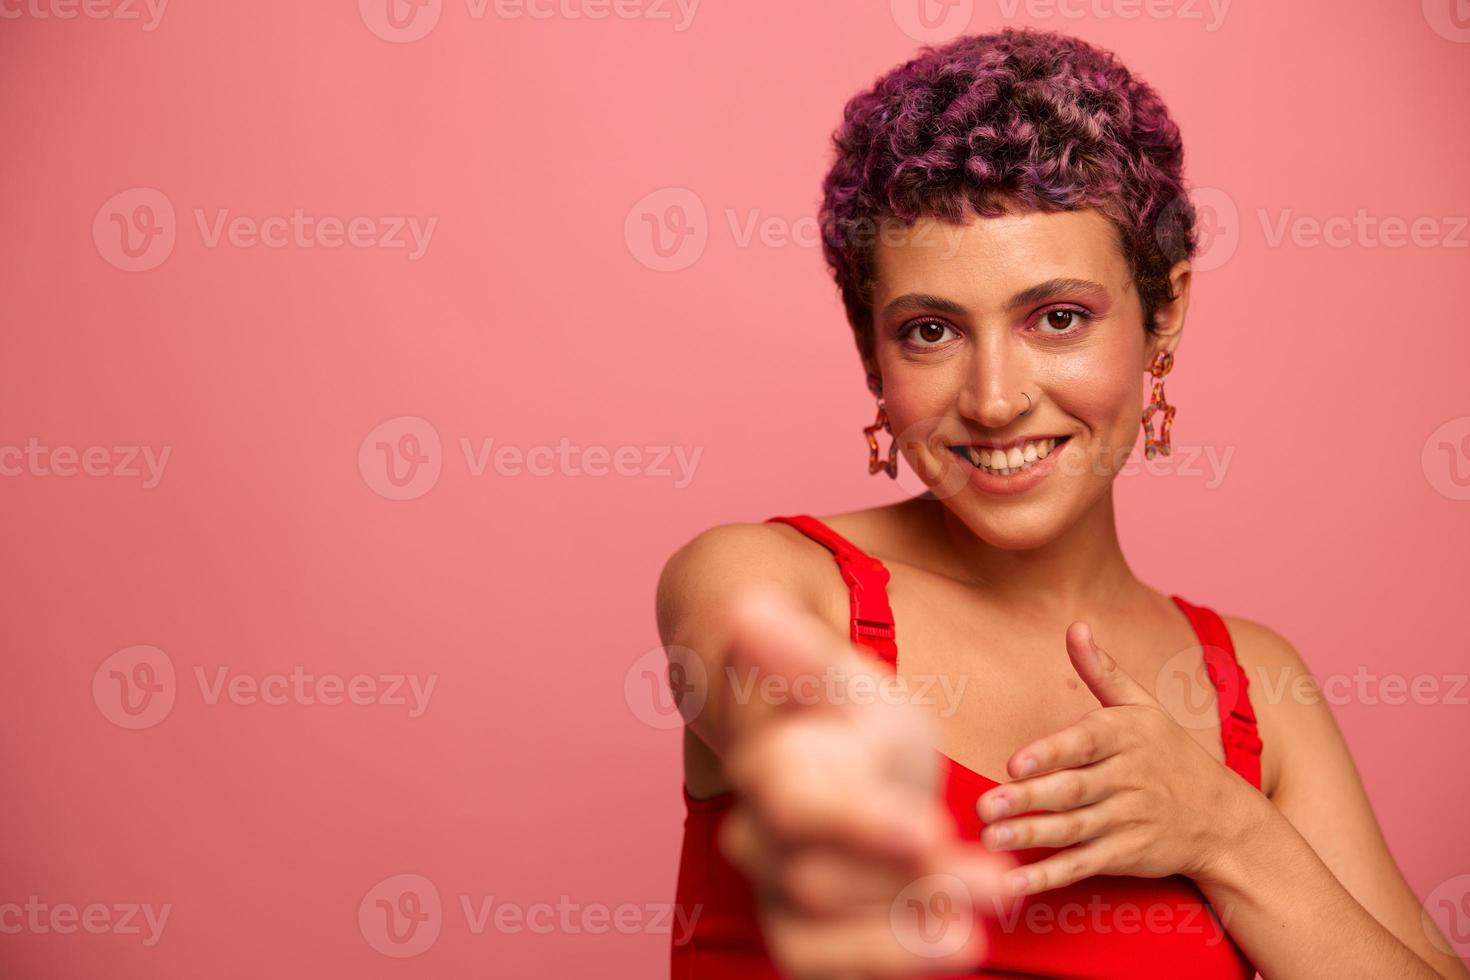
<point>1126,790</point>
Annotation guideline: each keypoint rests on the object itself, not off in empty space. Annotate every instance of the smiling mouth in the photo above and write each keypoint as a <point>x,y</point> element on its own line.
<point>1004,462</point>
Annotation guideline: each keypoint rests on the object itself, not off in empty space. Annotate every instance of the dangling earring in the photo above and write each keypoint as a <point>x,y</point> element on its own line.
<point>871,432</point>
<point>1163,361</point>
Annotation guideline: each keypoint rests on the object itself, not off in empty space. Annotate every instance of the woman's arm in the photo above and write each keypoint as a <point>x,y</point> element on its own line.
<point>699,584</point>
<point>836,822</point>
<point>1310,889</point>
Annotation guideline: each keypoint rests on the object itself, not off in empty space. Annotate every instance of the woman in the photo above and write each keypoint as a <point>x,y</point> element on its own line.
<point>1007,224</point>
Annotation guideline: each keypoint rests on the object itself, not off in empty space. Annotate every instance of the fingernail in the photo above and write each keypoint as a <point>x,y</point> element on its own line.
<point>1002,835</point>
<point>999,807</point>
<point>1026,765</point>
<point>1018,880</point>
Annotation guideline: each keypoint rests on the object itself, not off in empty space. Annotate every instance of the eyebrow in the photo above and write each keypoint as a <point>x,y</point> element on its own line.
<point>1032,294</point>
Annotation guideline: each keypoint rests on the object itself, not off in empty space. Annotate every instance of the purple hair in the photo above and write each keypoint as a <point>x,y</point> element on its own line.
<point>1021,118</point>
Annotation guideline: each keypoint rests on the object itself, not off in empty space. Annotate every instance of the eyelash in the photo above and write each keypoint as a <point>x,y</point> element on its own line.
<point>1082,315</point>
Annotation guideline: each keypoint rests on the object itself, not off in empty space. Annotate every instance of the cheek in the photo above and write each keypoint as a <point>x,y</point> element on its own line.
<point>918,405</point>
<point>1098,388</point>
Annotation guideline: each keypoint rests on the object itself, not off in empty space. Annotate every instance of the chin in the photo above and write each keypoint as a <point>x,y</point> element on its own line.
<point>1018,527</point>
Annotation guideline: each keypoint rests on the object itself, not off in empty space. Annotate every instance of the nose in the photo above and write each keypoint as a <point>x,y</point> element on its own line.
<point>992,396</point>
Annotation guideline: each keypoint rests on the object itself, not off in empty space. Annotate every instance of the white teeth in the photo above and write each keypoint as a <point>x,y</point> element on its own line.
<point>1006,462</point>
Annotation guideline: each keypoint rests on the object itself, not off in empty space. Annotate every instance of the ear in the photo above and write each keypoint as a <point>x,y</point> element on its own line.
<point>1169,318</point>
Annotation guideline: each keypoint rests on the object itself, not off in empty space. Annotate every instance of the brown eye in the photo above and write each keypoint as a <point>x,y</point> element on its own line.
<point>927,333</point>
<point>1064,321</point>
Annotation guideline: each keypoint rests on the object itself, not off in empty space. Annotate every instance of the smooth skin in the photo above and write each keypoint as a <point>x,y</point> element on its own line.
<point>1027,607</point>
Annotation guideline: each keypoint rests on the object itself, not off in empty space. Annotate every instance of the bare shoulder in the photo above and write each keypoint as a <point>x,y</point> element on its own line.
<point>726,558</point>
<point>1284,693</point>
<point>1261,648</point>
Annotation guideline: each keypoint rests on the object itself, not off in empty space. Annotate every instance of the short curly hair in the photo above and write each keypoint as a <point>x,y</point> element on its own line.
<point>1016,118</point>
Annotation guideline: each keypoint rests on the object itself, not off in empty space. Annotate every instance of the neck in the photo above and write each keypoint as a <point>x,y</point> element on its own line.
<point>1080,571</point>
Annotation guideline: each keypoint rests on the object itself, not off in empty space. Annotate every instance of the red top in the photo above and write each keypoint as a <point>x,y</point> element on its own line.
<point>1101,927</point>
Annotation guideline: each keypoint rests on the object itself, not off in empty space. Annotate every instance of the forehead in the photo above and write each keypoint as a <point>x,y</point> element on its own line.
<point>995,257</point>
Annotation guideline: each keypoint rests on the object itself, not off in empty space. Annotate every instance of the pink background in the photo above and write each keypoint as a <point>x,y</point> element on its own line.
<point>542,311</point>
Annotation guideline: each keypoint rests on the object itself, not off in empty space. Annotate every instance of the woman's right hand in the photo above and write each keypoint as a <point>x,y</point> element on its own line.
<point>839,825</point>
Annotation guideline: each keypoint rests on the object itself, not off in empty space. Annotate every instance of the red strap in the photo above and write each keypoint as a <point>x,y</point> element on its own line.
<point>1238,729</point>
<point>867,585</point>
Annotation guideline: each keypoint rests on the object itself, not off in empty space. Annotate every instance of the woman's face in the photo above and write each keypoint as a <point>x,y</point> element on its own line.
<point>969,317</point>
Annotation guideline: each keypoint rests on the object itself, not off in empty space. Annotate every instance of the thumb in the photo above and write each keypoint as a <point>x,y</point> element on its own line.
<point>1107,681</point>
